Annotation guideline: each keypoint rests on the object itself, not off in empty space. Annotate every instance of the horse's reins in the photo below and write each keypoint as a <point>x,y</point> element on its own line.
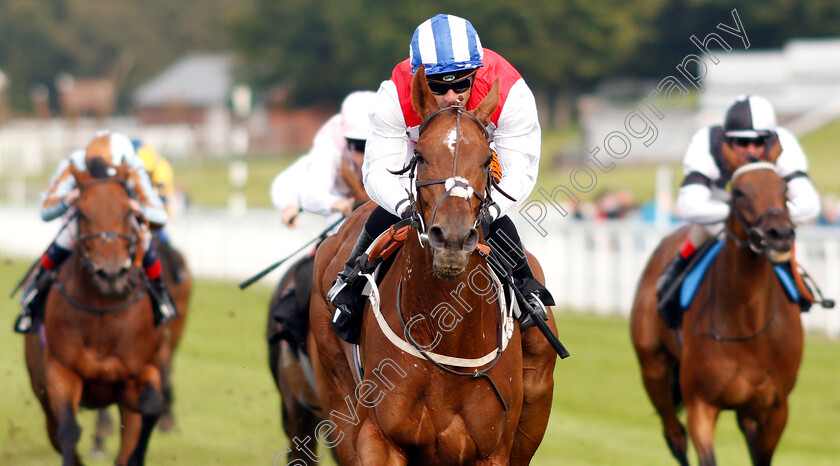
<point>755,240</point>
<point>459,187</point>
<point>475,374</point>
<point>87,263</point>
<point>454,185</point>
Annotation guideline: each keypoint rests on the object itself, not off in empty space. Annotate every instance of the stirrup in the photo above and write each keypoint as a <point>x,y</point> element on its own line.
<point>338,285</point>
<point>23,323</point>
<point>526,320</point>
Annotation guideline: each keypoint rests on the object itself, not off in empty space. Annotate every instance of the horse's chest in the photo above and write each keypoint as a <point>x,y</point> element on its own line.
<point>457,420</point>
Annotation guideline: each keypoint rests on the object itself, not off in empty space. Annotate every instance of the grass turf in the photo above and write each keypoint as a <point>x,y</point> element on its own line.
<point>228,410</point>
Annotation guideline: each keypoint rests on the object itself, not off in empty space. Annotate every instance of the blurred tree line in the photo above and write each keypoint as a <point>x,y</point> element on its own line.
<point>323,49</point>
<point>130,40</point>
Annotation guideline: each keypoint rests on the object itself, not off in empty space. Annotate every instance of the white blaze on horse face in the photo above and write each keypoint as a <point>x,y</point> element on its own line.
<point>451,139</point>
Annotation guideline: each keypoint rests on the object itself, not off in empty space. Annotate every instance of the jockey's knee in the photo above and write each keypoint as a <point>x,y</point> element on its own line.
<point>379,221</point>
<point>503,228</point>
<point>699,234</point>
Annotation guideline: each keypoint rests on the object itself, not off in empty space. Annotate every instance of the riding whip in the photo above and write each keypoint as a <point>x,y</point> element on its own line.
<point>273,266</point>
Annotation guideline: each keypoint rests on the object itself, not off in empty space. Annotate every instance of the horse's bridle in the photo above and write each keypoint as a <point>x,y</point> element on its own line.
<point>756,237</point>
<point>106,236</point>
<point>455,185</point>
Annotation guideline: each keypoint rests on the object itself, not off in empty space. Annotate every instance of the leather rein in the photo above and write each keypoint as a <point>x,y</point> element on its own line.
<point>455,185</point>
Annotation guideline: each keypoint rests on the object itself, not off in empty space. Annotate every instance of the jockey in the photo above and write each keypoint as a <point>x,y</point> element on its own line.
<point>459,72</point>
<point>57,201</point>
<point>314,182</point>
<point>750,130</point>
<point>160,175</point>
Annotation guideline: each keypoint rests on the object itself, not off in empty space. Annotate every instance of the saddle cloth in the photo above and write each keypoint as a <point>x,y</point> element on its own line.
<point>695,277</point>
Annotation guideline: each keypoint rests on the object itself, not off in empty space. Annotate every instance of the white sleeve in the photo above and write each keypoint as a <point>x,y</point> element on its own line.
<point>698,157</point>
<point>386,149</point>
<point>803,200</point>
<point>696,205</point>
<point>318,193</point>
<point>285,187</point>
<point>517,139</point>
<point>792,159</point>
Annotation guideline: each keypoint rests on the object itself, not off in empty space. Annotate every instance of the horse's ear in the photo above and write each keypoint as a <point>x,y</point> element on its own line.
<point>82,176</point>
<point>774,150</point>
<point>731,157</point>
<point>122,170</point>
<point>487,106</point>
<point>422,98</point>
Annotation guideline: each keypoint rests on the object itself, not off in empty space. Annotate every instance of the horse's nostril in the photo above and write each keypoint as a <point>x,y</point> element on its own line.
<point>101,274</point>
<point>779,234</point>
<point>471,240</point>
<point>436,237</point>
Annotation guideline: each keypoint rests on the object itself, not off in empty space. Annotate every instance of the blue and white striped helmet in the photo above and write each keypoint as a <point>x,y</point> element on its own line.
<point>445,44</point>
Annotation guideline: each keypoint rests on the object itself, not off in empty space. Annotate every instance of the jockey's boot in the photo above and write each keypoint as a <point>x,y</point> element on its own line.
<point>535,294</point>
<point>511,256</point>
<point>346,294</point>
<point>162,301</point>
<point>667,290</point>
<point>35,292</point>
<point>32,299</point>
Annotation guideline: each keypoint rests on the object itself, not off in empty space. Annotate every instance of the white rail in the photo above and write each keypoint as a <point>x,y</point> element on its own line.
<point>589,266</point>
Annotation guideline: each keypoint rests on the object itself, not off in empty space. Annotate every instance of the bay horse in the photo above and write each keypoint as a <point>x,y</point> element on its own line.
<point>407,405</point>
<point>97,344</point>
<point>289,364</point>
<point>178,279</point>
<point>740,344</point>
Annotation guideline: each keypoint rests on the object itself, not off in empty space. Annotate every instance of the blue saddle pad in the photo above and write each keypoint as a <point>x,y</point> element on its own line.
<point>695,277</point>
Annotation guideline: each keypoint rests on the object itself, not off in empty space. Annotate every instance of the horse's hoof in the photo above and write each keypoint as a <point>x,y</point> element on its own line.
<point>98,453</point>
<point>166,423</point>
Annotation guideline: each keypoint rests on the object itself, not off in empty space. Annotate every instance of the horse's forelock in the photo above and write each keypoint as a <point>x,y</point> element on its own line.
<point>97,167</point>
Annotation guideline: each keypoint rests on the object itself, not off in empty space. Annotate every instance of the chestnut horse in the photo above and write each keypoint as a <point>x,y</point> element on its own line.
<point>740,344</point>
<point>178,280</point>
<point>98,343</point>
<point>403,408</point>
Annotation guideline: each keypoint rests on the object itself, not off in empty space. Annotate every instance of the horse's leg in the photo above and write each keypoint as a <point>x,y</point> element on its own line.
<point>166,423</point>
<point>104,428</point>
<point>65,392</point>
<point>748,427</point>
<point>768,433</point>
<point>150,406</point>
<point>538,361</point>
<point>298,423</point>
<point>130,425</point>
<point>373,448</point>
<point>701,426</point>
<point>659,373</point>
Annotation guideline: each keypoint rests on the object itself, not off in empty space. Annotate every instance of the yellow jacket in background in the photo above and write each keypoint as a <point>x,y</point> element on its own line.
<point>160,172</point>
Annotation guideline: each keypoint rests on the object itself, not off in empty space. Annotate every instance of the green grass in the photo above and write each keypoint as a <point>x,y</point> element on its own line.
<point>228,409</point>
<point>205,180</point>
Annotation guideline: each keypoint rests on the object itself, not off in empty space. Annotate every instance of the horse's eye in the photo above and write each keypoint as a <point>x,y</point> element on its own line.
<point>488,161</point>
<point>419,157</point>
<point>737,193</point>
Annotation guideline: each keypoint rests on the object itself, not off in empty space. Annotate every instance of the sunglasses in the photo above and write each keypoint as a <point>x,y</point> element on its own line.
<point>746,142</point>
<point>441,88</point>
<point>356,145</point>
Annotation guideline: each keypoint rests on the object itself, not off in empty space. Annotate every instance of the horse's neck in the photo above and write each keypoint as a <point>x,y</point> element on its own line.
<point>458,308</point>
<point>746,282</point>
